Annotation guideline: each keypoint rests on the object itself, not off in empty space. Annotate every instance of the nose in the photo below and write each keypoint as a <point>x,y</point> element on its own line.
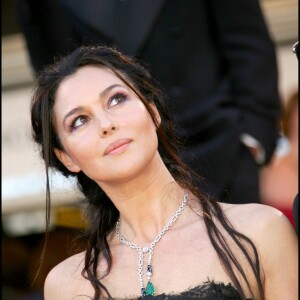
<point>108,128</point>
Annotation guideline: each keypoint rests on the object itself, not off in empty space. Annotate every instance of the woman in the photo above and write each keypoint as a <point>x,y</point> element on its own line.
<point>99,116</point>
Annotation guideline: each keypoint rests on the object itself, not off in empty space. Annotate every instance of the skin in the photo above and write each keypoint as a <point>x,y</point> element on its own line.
<point>143,190</point>
<point>279,180</point>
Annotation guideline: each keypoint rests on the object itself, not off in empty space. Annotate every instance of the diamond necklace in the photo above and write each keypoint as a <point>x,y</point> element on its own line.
<point>149,287</point>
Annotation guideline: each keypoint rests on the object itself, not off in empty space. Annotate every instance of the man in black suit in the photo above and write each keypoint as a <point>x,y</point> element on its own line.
<point>214,58</point>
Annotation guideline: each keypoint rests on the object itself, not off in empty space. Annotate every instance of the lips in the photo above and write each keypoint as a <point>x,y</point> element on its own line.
<point>117,146</point>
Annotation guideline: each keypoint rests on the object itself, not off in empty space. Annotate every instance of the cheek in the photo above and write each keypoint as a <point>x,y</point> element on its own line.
<point>147,133</point>
<point>82,147</point>
<point>143,123</point>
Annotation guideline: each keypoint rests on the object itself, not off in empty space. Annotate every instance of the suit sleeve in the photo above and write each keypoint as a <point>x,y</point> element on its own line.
<point>249,54</point>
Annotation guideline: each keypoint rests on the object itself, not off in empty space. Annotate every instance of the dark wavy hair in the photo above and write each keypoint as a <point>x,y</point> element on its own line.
<point>101,212</point>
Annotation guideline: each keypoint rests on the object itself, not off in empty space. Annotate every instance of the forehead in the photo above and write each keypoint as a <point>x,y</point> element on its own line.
<point>87,78</point>
<point>83,86</point>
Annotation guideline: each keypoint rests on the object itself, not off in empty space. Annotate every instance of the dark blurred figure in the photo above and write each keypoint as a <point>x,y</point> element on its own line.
<point>215,60</point>
<point>14,261</point>
<point>21,258</point>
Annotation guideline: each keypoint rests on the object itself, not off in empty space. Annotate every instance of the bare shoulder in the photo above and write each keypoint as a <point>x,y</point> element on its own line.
<point>269,229</point>
<point>65,278</point>
<point>70,266</point>
<point>255,219</point>
<point>276,242</point>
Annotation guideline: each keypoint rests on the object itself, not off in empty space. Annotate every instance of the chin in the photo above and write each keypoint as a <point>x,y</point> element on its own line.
<point>131,168</point>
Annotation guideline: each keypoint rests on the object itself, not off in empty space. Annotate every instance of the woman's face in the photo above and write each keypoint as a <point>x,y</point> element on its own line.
<point>105,129</point>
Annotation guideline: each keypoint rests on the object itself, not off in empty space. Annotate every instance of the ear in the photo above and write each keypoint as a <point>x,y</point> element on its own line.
<point>156,113</point>
<point>67,161</point>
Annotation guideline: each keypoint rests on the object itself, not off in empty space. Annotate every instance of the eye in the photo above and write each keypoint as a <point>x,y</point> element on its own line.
<point>116,99</point>
<point>78,121</point>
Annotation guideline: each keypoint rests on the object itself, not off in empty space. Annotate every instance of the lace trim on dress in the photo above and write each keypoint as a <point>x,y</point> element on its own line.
<point>209,290</point>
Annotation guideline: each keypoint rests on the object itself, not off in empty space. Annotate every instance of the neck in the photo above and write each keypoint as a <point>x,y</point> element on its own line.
<point>146,203</point>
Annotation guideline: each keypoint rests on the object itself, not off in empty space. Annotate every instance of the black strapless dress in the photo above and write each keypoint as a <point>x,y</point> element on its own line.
<point>207,291</point>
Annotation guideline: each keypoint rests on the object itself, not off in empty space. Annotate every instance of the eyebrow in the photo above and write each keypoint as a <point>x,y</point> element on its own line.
<point>81,108</point>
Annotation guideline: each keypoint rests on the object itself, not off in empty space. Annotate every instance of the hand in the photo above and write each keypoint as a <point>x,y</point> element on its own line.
<point>254,152</point>
<point>256,149</point>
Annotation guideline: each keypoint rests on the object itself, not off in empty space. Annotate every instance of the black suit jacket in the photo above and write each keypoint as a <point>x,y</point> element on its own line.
<point>214,58</point>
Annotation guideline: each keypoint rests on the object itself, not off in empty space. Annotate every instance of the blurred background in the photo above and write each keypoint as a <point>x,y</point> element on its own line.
<point>23,179</point>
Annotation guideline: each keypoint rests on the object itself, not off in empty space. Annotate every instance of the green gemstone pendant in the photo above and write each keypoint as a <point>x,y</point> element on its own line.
<point>150,289</point>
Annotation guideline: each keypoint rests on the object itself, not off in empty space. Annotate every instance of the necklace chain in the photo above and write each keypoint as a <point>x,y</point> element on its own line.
<point>141,250</point>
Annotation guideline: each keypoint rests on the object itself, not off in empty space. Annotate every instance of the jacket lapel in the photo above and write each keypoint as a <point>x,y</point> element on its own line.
<point>136,24</point>
<point>127,22</point>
